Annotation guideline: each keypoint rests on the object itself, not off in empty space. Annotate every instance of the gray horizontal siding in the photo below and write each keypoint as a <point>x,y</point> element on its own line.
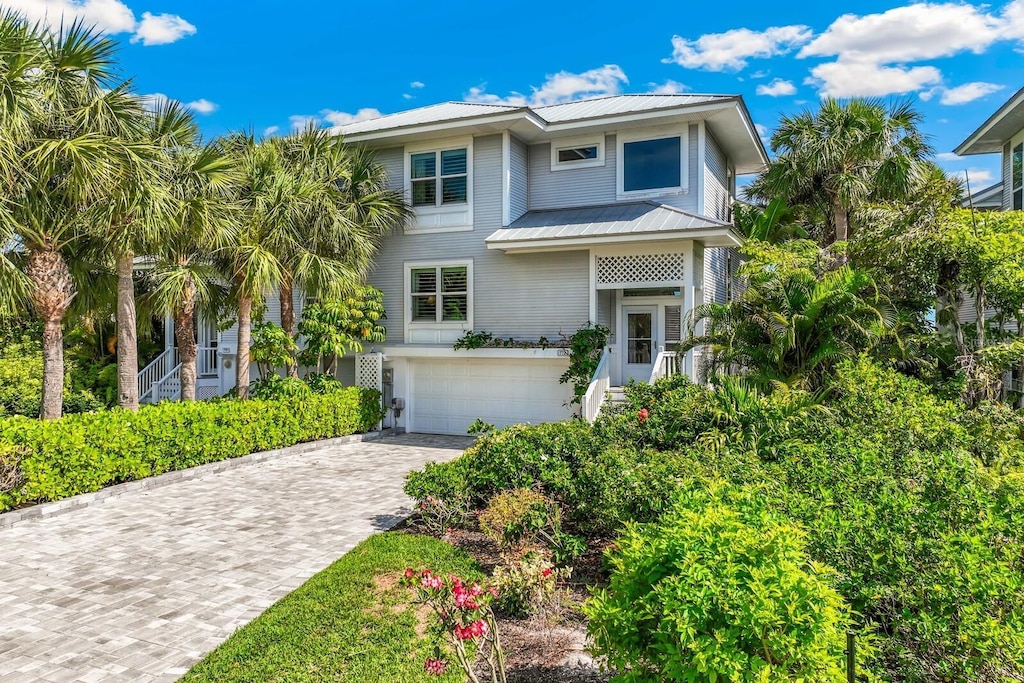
<point>519,191</point>
<point>596,185</point>
<point>717,202</point>
<point>720,274</point>
<point>393,161</point>
<point>524,296</point>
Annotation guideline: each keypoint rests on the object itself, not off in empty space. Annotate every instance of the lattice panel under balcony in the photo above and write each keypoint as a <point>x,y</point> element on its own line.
<point>639,269</point>
<point>206,392</point>
<point>370,370</point>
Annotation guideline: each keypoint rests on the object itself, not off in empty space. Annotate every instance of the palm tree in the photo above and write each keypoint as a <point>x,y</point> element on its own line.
<point>202,178</point>
<point>848,152</point>
<point>64,113</point>
<point>792,327</point>
<point>346,210</point>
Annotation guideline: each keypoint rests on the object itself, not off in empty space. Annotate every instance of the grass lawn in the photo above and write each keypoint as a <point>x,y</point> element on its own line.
<point>350,622</point>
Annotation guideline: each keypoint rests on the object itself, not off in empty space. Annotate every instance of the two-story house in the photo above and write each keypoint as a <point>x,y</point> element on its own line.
<point>1002,133</point>
<point>531,222</point>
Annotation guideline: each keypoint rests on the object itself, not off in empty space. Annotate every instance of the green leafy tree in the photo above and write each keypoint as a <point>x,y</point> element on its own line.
<point>335,327</point>
<point>272,348</point>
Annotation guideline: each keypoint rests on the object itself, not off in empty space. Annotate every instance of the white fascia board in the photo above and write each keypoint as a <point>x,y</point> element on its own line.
<point>443,126</point>
<point>448,352</point>
<point>719,237</point>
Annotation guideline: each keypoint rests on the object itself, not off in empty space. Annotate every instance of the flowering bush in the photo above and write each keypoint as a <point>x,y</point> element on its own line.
<point>439,516</point>
<point>464,617</point>
<point>527,584</point>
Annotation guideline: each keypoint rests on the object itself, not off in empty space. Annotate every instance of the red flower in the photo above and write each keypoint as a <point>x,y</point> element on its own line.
<point>435,667</point>
<point>643,414</point>
<point>409,573</point>
<point>546,573</point>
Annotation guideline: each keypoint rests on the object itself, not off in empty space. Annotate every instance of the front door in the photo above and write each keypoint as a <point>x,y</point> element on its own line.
<point>641,342</point>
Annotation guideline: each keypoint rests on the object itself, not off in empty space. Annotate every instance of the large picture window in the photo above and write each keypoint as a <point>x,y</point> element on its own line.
<point>1017,163</point>
<point>652,164</point>
<point>440,294</point>
<point>439,178</point>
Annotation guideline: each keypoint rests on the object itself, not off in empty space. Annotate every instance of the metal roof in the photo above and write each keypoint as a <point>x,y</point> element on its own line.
<point>639,220</point>
<point>619,104</point>
<point>435,113</point>
<point>989,198</point>
<point>990,137</point>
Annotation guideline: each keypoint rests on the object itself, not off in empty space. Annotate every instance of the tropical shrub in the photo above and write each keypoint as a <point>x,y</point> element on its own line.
<point>720,589</point>
<point>523,521</point>
<point>273,387</point>
<point>527,584</point>
<point>82,453</point>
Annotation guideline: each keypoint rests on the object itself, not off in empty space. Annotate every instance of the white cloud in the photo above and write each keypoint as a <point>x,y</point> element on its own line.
<point>161,29</point>
<point>875,53</point>
<point>153,101</point>
<point>561,87</point>
<point>408,96</point>
<point>978,177</point>
<point>948,156</point>
<point>270,130</point>
<point>777,88</point>
<point>302,121</point>
<point>109,16</point>
<point>417,84</point>
<point>731,50</point>
<point>760,73</point>
<point>669,87</point>
<point>203,106</point>
<point>762,131</point>
<point>864,79</point>
<point>340,118</point>
<point>332,117</point>
<point>968,92</point>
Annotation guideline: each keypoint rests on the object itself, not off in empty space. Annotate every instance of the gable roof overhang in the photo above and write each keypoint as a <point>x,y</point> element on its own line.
<point>726,115</point>
<point>990,137</point>
<point>624,222</point>
<point>989,198</point>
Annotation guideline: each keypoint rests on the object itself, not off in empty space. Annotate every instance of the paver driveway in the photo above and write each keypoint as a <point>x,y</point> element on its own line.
<point>140,587</point>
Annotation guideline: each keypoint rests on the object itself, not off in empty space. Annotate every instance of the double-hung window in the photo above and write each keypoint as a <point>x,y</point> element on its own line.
<point>439,178</point>
<point>1017,164</point>
<point>439,294</point>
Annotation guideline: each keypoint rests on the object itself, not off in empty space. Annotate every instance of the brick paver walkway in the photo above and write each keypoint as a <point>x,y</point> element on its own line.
<point>140,587</point>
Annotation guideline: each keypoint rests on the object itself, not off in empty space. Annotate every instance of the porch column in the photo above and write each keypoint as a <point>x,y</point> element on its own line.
<point>693,296</point>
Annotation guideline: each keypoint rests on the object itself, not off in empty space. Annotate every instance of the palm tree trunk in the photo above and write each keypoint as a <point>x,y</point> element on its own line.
<point>52,291</point>
<point>185,337</point>
<point>842,221</point>
<point>127,339</point>
<point>244,336</point>
<point>948,304</point>
<point>288,315</point>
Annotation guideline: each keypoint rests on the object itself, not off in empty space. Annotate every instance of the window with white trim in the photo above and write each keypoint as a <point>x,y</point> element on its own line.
<point>578,153</point>
<point>439,177</point>
<point>439,294</point>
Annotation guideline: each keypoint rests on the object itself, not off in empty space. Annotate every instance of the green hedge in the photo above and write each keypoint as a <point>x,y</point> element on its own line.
<point>86,452</point>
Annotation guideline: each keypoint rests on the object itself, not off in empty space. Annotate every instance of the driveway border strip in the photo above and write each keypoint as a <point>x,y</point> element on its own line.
<point>84,500</point>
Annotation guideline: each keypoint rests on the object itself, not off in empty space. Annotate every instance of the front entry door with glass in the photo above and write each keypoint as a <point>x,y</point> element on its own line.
<point>641,342</point>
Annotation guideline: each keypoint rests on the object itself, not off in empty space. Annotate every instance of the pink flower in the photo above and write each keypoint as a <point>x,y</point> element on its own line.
<point>433,582</point>
<point>643,414</point>
<point>435,667</point>
<point>409,573</point>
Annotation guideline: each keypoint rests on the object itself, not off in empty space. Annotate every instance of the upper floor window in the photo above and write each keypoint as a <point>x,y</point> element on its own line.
<point>577,153</point>
<point>652,164</point>
<point>439,177</point>
<point>1018,177</point>
<point>440,294</point>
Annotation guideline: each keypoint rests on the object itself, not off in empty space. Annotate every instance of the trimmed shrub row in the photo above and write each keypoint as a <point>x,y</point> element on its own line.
<point>45,461</point>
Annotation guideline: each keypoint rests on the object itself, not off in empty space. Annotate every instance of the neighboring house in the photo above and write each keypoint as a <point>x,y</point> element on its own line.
<point>532,222</point>
<point>988,199</point>
<point>1003,133</point>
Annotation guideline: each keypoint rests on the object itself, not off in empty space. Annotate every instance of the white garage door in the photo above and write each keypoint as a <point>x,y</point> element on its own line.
<point>448,395</point>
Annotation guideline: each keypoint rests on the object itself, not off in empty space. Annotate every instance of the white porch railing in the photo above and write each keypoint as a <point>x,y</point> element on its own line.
<point>665,365</point>
<point>168,387</point>
<point>160,368</point>
<point>598,389</point>
<point>206,362</point>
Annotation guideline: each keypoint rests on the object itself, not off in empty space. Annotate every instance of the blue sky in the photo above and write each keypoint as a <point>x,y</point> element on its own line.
<point>271,65</point>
